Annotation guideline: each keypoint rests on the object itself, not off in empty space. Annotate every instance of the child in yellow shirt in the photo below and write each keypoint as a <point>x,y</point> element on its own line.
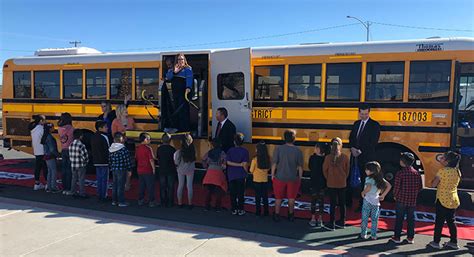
<point>259,167</point>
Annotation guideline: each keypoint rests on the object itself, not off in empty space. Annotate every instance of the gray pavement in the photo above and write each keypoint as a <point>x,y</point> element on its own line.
<point>37,229</point>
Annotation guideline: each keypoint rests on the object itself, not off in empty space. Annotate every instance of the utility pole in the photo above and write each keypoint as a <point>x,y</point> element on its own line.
<point>365,24</point>
<point>75,43</point>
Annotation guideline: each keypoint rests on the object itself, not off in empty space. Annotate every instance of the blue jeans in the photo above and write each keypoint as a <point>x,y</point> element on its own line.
<point>146,181</point>
<point>118,188</point>
<point>51,164</point>
<point>66,170</point>
<point>102,175</point>
<point>402,210</point>
<point>372,211</point>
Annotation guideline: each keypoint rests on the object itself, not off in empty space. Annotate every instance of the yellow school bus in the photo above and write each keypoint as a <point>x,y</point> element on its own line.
<point>420,91</point>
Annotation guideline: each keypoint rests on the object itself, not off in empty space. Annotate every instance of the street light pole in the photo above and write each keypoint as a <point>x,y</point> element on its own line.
<point>365,24</point>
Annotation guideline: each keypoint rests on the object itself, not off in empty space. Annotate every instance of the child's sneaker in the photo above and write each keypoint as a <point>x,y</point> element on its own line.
<point>276,217</point>
<point>55,191</point>
<point>373,238</point>
<point>410,240</point>
<point>434,245</point>
<point>123,204</point>
<point>235,212</point>
<point>38,186</point>
<point>114,203</point>
<point>340,224</point>
<point>241,212</point>
<point>69,193</point>
<point>395,240</point>
<point>451,246</point>
<point>313,223</point>
<point>329,226</point>
<point>364,237</point>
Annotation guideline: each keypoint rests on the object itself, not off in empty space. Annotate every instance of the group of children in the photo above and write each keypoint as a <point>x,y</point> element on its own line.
<point>227,171</point>
<point>329,174</point>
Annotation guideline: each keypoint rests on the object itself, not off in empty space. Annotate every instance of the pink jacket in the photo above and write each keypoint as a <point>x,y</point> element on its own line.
<point>65,136</point>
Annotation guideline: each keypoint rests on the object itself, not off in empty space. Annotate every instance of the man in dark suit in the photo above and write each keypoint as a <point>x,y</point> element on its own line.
<point>363,140</point>
<point>225,130</point>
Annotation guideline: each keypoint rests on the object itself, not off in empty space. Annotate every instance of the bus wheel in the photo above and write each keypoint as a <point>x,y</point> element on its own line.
<point>389,159</point>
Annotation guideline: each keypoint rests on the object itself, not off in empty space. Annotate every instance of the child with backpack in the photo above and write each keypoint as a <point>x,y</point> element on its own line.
<point>50,155</point>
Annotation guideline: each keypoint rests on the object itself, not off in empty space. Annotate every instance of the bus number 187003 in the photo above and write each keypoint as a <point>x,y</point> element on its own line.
<point>412,116</point>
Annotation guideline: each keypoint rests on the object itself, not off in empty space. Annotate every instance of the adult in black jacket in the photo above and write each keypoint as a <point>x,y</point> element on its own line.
<point>363,140</point>
<point>225,131</point>
<point>100,156</point>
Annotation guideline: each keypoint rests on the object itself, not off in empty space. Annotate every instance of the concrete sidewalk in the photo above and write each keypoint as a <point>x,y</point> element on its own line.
<point>39,229</point>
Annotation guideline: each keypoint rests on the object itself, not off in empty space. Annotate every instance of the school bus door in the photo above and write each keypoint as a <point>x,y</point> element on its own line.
<point>230,77</point>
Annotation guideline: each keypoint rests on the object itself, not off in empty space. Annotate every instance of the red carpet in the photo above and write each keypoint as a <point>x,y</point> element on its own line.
<point>424,214</point>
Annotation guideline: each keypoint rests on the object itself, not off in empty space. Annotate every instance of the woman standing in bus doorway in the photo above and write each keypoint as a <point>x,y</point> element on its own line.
<point>37,129</point>
<point>121,124</point>
<point>181,77</point>
<point>65,131</point>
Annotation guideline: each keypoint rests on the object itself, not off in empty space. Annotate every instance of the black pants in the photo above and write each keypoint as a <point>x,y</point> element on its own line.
<point>261,195</point>
<point>167,189</point>
<point>181,106</point>
<point>337,196</point>
<point>402,210</point>
<point>237,189</point>
<point>317,198</point>
<point>444,214</point>
<point>40,164</point>
<point>214,190</point>
<point>146,181</point>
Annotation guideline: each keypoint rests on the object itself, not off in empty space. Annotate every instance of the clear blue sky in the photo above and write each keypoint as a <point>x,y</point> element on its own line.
<point>118,25</point>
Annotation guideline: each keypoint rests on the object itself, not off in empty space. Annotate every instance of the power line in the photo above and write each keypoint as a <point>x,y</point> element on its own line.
<point>237,40</point>
<point>418,27</point>
<point>261,37</point>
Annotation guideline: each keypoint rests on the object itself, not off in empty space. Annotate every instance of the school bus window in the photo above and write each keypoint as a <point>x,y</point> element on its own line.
<point>147,79</point>
<point>385,81</point>
<point>343,81</point>
<point>22,84</point>
<point>268,83</point>
<point>46,84</point>
<point>304,82</point>
<point>230,86</point>
<point>96,83</point>
<point>72,83</point>
<point>120,83</point>
<point>429,81</point>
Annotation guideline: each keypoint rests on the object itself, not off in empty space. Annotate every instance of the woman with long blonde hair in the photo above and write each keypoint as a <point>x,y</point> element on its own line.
<point>336,171</point>
<point>181,77</point>
<point>122,122</point>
